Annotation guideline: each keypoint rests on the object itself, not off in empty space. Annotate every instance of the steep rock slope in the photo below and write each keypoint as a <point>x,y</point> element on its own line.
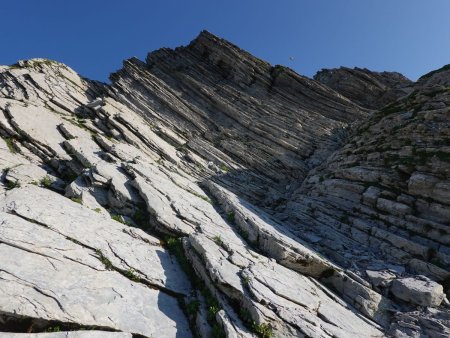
<point>170,203</point>
<point>369,89</point>
<point>380,206</point>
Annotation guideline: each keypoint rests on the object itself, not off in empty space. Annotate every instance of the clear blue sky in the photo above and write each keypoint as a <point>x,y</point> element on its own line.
<point>94,36</point>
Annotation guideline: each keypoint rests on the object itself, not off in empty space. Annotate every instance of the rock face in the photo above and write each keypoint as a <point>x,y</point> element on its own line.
<point>418,291</point>
<point>206,193</point>
<point>369,89</point>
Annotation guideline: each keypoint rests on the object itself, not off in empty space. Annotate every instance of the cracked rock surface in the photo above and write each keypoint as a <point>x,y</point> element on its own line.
<point>207,193</point>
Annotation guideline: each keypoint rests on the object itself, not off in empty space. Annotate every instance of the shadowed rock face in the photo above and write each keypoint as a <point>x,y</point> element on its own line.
<point>369,89</point>
<point>207,193</point>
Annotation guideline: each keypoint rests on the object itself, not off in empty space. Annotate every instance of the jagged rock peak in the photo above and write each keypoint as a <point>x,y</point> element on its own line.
<point>369,89</point>
<point>212,47</point>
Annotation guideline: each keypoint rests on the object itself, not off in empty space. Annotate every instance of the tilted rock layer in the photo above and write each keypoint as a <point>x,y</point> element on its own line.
<point>369,89</point>
<point>207,193</point>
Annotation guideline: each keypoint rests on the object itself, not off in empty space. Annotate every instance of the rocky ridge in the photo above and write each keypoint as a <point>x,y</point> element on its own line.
<point>206,193</point>
<point>369,89</point>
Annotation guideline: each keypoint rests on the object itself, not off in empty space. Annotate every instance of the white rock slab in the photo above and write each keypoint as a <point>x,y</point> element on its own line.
<point>36,286</point>
<point>125,247</point>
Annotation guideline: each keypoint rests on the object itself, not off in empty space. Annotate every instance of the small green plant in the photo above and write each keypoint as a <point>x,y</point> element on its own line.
<point>212,311</point>
<point>192,307</point>
<point>172,242</point>
<point>218,240</point>
<point>98,210</point>
<point>77,200</point>
<point>106,262</point>
<point>12,184</point>
<point>230,217</point>
<point>263,330</point>
<point>175,247</point>
<point>205,198</point>
<point>118,218</point>
<point>74,240</point>
<point>53,329</point>
<point>224,168</point>
<point>246,280</point>
<point>45,181</point>
<point>243,233</point>
<point>10,144</point>
<point>131,274</point>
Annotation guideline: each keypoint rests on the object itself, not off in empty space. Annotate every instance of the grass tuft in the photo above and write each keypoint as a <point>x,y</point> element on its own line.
<point>12,184</point>
<point>231,217</point>
<point>45,182</point>
<point>76,200</point>
<point>10,144</point>
<point>106,262</point>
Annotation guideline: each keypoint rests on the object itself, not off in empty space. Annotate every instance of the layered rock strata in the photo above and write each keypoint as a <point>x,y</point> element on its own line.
<point>206,193</point>
<point>372,90</point>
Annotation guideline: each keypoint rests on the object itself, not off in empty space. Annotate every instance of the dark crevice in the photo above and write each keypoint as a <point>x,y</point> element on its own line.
<point>23,324</point>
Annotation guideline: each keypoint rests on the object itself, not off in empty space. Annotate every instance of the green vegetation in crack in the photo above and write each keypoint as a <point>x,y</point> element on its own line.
<point>175,247</point>
<point>53,329</point>
<point>76,200</point>
<point>224,168</point>
<point>106,262</point>
<point>12,184</point>
<point>120,219</point>
<point>246,280</point>
<point>10,144</point>
<point>261,330</point>
<point>212,311</point>
<point>230,217</point>
<point>46,182</point>
<point>205,198</point>
<point>131,274</point>
<point>192,307</point>
<point>218,240</point>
